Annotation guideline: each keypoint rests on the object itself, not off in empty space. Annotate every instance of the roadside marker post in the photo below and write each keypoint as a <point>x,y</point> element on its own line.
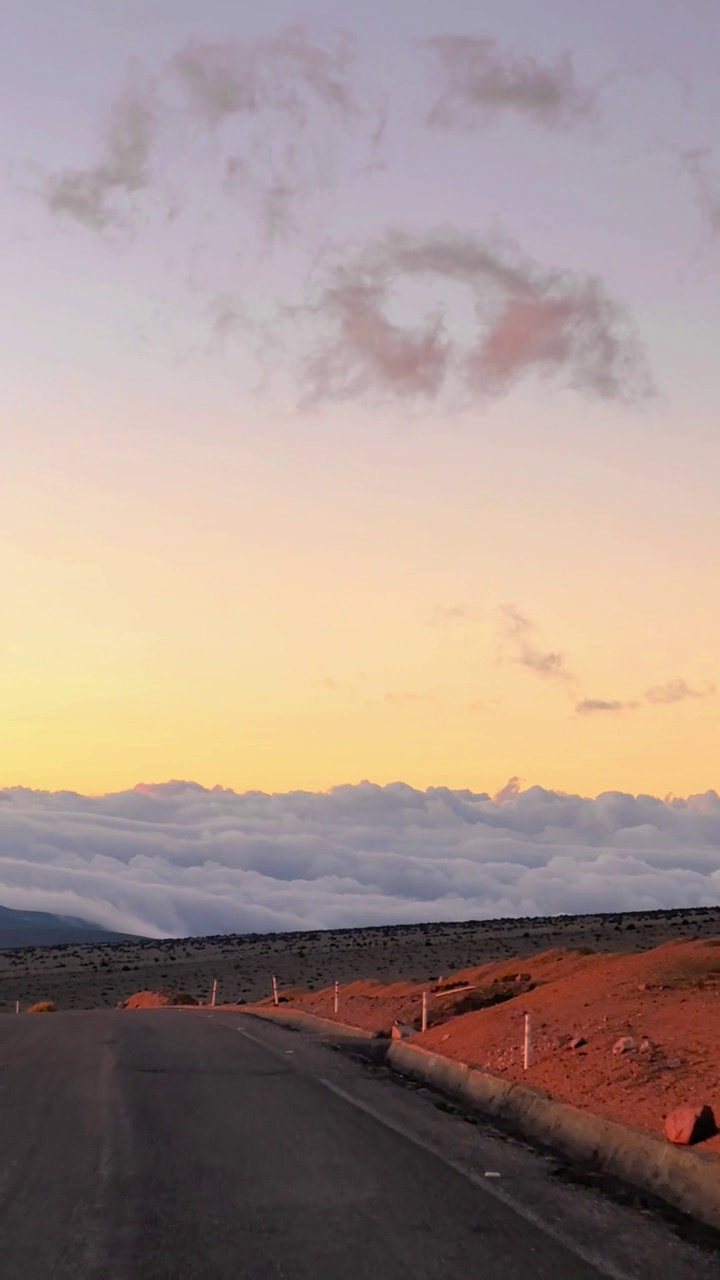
<point>527,1046</point>
<point>423,1023</point>
<point>336,1001</point>
<point>275,991</point>
<point>17,1006</point>
<point>213,998</point>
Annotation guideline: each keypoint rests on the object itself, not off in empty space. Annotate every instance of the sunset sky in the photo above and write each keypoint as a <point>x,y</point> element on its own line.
<point>364,426</point>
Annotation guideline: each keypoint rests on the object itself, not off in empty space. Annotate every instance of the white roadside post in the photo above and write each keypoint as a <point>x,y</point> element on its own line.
<point>275,991</point>
<point>17,1006</point>
<point>423,1023</point>
<point>527,1046</point>
<point>213,998</point>
<point>336,1001</point>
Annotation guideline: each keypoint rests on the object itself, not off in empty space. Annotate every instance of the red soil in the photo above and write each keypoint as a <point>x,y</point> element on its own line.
<point>157,1000</point>
<point>671,995</point>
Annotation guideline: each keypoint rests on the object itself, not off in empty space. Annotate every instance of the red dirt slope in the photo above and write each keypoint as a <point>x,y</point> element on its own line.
<point>666,1000</point>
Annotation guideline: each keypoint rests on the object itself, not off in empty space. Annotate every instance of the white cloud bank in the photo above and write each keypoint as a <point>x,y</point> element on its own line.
<point>176,859</point>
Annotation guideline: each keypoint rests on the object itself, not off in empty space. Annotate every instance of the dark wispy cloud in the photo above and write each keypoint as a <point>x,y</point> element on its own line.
<point>180,859</point>
<point>673,691</point>
<point>706,180</point>
<point>529,320</point>
<point>291,108</point>
<point>678,691</point>
<point>519,637</point>
<point>520,643</point>
<point>276,72</point>
<point>476,79</point>
<point>96,196</point>
<point>593,706</point>
<point>271,102</point>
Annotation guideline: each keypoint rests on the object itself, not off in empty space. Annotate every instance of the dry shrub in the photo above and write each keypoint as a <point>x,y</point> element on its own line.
<point>158,999</point>
<point>43,1006</point>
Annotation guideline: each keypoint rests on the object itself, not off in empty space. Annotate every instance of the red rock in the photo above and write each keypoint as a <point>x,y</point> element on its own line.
<point>625,1044</point>
<point>401,1031</point>
<point>646,1045</point>
<point>577,1042</point>
<point>687,1125</point>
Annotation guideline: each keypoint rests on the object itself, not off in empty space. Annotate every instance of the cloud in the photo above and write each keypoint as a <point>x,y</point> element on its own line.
<point>590,706</point>
<point>518,638</point>
<point>478,80</point>
<point>518,642</point>
<point>90,195</point>
<point>271,104</point>
<point>179,859</point>
<point>678,691</point>
<point>369,353</point>
<point>451,614</point>
<point>707,186</point>
<point>510,791</point>
<point>662,695</point>
<point>244,77</point>
<point>285,105</point>
<point>527,320</point>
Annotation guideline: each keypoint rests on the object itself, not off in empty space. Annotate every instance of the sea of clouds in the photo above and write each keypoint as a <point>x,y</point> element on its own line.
<point>178,859</point>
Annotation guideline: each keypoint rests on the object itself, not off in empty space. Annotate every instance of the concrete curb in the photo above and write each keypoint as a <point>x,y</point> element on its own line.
<point>687,1180</point>
<point>301,1021</point>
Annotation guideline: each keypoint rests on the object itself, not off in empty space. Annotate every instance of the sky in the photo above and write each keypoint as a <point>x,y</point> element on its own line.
<point>359,403</point>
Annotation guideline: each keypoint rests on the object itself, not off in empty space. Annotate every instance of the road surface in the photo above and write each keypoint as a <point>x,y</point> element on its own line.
<point>167,1145</point>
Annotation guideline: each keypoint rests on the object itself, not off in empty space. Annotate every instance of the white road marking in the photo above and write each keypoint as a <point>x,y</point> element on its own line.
<point>601,1265</point>
<point>593,1259</point>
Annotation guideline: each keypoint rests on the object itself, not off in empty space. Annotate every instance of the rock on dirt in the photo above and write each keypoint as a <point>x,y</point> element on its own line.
<point>688,1125</point>
<point>577,1042</point>
<point>401,1031</point>
<point>625,1044</point>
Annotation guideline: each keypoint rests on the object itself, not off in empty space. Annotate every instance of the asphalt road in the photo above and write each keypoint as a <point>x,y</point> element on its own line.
<point>173,1146</point>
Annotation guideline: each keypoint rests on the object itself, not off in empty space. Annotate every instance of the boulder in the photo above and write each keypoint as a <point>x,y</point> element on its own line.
<point>687,1125</point>
<point>401,1031</point>
<point>578,1042</point>
<point>625,1044</point>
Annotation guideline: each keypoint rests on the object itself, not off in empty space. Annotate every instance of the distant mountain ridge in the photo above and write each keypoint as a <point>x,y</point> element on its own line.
<point>41,929</point>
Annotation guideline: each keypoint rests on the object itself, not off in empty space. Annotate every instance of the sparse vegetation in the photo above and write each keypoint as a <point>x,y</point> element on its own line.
<point>97,976</point>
